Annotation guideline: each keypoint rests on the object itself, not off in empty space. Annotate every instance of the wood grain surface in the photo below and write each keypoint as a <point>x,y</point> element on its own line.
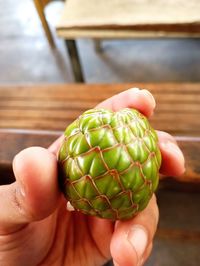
<point>130,19</point>
<point>129,12</point>
<point>54,107</point>
<point>37,115</point>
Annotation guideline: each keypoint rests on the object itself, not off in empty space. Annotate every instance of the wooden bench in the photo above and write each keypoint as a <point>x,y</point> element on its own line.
<point>116,19</point>
<point>37,115</point>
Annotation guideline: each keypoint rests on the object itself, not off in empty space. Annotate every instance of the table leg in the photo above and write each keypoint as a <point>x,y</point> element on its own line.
<point>40,9</point>
<point>75,61</point>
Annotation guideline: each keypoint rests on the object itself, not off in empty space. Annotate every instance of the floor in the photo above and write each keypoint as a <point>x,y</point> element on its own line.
<point>27,58</point>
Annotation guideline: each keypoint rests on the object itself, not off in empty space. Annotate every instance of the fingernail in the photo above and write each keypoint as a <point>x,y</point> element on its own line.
<point>135,89</point>
<point>138,239</point>
<point>153,102</point>
<point>172,147</point>
<point>69,207</point>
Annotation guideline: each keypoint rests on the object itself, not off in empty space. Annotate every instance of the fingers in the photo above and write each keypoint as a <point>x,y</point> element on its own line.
<point>35,193</point>
<point>173,162</point>
<point>142,100</point>
<point>172,158</point>
<point>54,147</point>
<point>133,238</point>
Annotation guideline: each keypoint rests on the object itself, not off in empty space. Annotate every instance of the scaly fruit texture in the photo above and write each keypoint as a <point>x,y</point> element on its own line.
<point>109,163</point>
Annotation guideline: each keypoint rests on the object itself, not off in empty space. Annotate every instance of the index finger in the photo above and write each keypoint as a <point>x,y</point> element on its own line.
<point>142,100</point>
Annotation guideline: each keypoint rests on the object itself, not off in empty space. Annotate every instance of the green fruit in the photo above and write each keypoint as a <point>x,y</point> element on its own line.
<point>109,163</point>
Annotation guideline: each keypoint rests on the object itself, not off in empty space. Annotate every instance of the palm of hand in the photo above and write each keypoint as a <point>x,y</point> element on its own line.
<point>63,238</point>
<point>77,239</point>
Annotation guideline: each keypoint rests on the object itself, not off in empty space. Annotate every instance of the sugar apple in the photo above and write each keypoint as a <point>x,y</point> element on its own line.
<point>109,163</point>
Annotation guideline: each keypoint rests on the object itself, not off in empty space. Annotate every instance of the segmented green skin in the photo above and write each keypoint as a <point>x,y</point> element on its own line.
<point>110,163</point>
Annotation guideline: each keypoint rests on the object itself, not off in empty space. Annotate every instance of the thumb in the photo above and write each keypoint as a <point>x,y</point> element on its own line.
<point>131,242</point>
<point>35,194</point>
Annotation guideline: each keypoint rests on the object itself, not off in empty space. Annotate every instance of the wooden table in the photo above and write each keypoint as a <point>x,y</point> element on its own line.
<point>116,19</point>
<point>37,115</point>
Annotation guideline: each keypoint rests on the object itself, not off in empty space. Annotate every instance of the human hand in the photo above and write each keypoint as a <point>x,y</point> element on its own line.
<point>36,228</point>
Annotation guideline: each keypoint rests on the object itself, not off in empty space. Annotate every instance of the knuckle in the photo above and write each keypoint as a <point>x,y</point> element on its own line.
<point>19,206</point>
<point>18,202</point>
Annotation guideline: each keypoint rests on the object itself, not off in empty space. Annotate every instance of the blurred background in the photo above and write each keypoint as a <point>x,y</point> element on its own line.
<point>26,57</point>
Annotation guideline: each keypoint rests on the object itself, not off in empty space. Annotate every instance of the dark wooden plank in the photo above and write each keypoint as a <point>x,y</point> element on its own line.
<point>179,234</point>
<point>13,141</point>
<point>94,90</point>
<point>167,28</point>
<point>51,108</point>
